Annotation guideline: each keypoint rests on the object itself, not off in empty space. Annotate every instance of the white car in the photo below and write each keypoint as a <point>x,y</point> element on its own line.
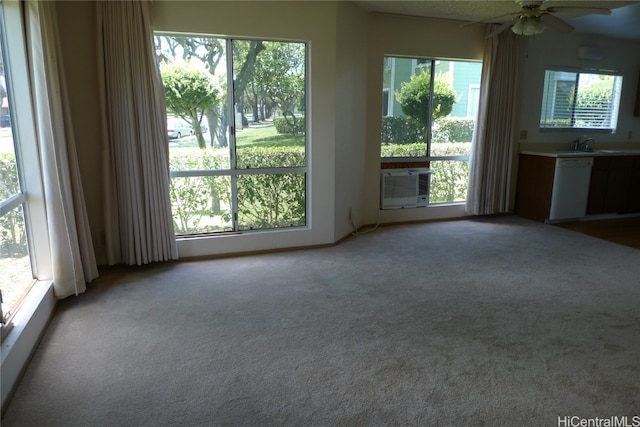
<point>177,128</point>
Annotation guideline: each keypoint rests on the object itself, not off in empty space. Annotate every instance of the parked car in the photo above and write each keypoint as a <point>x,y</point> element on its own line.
<point>5,121</point>
<point>177,128</point>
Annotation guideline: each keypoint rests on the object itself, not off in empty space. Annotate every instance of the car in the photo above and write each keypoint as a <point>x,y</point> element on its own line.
<point>5,121</point>
<point>177,128</point>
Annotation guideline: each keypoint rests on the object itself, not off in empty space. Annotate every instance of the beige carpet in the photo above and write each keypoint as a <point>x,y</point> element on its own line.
<point>492,322</point>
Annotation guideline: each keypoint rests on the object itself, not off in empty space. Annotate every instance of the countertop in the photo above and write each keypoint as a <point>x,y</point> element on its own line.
<point>595,153</point>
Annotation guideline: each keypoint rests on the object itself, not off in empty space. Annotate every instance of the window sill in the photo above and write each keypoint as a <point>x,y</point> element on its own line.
<point>27,327</point>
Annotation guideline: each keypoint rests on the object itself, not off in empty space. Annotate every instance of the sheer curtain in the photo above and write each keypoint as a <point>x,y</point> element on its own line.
<point>139,225</point>
<point>492,154</point>
<point>71,248</point>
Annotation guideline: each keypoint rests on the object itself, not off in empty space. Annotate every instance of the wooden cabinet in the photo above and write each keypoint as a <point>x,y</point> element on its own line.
<point>615,185</point>
<point>634,186</point>
<point>535,184</point>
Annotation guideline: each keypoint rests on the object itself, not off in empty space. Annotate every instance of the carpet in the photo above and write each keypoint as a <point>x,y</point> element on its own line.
<point>497,321</point>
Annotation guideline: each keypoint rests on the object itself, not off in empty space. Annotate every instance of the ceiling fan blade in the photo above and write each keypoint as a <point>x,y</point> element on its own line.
<point>500,29</point>
<point>491,19</point>
<point>555,23</point>
<point>579,10</point>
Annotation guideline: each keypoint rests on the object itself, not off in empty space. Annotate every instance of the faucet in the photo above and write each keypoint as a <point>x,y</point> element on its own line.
<point>582,143</point>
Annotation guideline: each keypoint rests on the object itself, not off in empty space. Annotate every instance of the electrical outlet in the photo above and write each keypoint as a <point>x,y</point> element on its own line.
<point>524,134</point>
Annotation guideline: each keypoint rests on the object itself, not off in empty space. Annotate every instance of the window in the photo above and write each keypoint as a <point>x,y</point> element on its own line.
<point>580,100</point>
<point>430,118</point>
<point>16,276</point>
<point>243,166</point>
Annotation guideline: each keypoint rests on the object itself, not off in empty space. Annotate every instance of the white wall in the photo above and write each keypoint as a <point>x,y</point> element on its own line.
<point>350,111</point>
<point>417,37</point>
<point>554,49</point>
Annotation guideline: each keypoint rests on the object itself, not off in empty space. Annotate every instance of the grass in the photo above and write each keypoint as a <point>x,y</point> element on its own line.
<point>255,136</point>
<point>267,135</point>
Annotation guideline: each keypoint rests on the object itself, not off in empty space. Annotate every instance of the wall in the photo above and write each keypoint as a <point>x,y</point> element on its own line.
<point>350,111</point>
<point>417,37</point>
<point>546,50</point>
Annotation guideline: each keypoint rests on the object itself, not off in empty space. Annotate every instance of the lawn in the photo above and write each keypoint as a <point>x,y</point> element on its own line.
<point>261,135</point>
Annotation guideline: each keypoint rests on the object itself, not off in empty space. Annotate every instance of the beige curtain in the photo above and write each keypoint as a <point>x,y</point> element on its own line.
<point>139,225</point>
<point>73,260</point>
<point>492,153</point>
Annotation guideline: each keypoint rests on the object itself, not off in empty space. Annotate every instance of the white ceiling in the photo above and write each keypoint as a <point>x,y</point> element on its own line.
<point>623,23</point>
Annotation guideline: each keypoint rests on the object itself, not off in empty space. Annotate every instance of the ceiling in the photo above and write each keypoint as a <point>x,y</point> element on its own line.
<point>623,23</point>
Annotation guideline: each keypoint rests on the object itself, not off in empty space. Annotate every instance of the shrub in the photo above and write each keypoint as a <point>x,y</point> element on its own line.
<point>286,125</point>
<point>203,203</point>
<point>453,129</point>
<point>401,130</point>
<point>13,240</point>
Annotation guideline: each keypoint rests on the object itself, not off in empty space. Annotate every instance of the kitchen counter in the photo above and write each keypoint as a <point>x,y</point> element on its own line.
<point>595,153</point>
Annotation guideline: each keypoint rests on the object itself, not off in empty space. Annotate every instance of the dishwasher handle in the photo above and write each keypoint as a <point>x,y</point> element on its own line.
<point>574,162</point>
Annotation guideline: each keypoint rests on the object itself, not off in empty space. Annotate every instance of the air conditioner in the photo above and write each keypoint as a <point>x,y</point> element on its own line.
<point>404,188</point>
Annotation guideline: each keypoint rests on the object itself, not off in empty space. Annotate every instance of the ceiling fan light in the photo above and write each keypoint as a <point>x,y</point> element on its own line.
<point>518,27</point>
<point>528,26</point>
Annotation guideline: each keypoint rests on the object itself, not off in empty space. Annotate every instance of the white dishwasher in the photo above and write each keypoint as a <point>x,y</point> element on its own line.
<point>570,188</point>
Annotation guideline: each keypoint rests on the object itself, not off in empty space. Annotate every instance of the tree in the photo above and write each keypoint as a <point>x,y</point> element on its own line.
<point>280,74</point>
<point>189,92</point>
<point>414,98</point>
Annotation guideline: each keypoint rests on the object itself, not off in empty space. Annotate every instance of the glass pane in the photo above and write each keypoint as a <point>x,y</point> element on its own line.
<point>449,181</point>
<point>269,103</point>
<point>454,123</point>
<point>194,73</point>
<point>407,81</point>
<point>15,266</point>
<point>201,204</point>
<point>580,100</point>
<point>271,201</point>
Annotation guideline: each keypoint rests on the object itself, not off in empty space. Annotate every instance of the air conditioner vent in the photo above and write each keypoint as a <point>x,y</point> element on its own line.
<point>404,188</point>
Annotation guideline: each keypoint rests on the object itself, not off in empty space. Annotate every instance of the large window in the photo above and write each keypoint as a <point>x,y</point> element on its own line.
<point>429,115</point>
<point>242,163</point>
<point>16,276</point>
<point>580,100</point>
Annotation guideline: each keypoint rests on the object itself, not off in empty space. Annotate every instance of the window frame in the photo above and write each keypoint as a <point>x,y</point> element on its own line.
<point>32,195</point>
<point>613,110</point>
<point>233,172</point>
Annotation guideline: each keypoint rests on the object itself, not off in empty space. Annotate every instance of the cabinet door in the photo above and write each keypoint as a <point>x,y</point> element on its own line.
<point>618,183</point>
<point>535,183</point>
<point>598,186</point>
<point>634,187</point>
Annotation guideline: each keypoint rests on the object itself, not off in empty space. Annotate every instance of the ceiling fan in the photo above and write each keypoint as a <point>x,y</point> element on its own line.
<point>533,19</point>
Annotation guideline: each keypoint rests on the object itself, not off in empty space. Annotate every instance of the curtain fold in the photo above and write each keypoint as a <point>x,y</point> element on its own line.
<point>71,246</point>
<point>139,225</point>
<point>492,153</point>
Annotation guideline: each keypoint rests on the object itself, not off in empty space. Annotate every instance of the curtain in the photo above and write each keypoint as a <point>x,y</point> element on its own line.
<point>139,225</point>
<point>71,247</point>
<point>492,153</point>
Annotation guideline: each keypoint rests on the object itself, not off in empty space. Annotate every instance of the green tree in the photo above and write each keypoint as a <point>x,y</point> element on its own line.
<point>280,74</point>
<point>414,98</point>
<point>189,92</point>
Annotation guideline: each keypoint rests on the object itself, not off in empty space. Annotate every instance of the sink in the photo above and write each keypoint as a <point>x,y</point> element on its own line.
<point>608,151</point>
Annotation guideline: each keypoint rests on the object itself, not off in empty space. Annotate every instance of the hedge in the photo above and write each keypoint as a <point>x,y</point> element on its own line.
<point>203,204</point>
<point>404,130</point>
<point>285,125</point>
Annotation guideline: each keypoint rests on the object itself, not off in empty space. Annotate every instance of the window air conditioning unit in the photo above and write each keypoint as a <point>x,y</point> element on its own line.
<point>404,188</point>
